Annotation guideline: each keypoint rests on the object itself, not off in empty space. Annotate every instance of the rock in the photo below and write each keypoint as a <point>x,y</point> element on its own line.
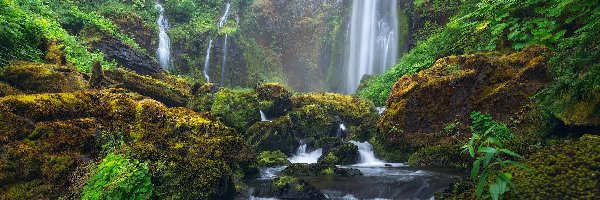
<point>272,136</point>
<point>344,154</point>
<point>6,89</point>
<point>422,105</point>
<point>33,78</point>
<point>126,56</point>
<point>314,115</point>
<point>287,187</point>
<point>274,99</point>
<point>319,169</point>
<point>272,158</point>
<point>236,108</point>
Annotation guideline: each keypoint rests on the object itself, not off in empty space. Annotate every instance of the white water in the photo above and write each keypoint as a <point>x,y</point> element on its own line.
<point>263,117</point>
<point>367,156</point>
<point>343,127</point>
<point>164,43</point>
<point>225,15</point>
<point>222,23</point>
<point>380,110</point>
<point>207,62</point>
<point>303,157</point>
<point>373,40</point>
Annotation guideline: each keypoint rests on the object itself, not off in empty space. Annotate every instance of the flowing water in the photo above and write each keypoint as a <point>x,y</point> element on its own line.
<point>222,23</point>
<point>302,156</point>
<point>207,62</point>
<point>164,43</point>
<point>373,39</point>
<point>263,116</point>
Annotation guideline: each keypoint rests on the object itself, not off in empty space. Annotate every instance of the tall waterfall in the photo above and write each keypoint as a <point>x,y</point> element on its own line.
<point>164,43</point>
<point>373,39</point>
<point>222,23</point>
<point>207,62</point>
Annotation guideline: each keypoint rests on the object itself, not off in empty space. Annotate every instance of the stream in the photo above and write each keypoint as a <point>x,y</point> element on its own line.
<point>381,180</point>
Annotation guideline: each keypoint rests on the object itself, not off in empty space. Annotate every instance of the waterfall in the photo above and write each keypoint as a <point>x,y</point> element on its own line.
<point>367,156</point>
<point>164,43</point>
<point>221,24</point>
<point>373,40</point>
<point>207,62</point>
<point>380,110</point>
<point>224,61</point>
<point>263,116</point>
<point>303,157</point>
<point>341,130</point>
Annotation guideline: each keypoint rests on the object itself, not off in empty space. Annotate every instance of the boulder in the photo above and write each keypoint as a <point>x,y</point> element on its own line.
<point>421,105</point>
<point>287,187</point>
<point>319,169</point>
<point>344,154</point>
<point>33,78</point>
<point>275,99</point>
<point>272,136</point>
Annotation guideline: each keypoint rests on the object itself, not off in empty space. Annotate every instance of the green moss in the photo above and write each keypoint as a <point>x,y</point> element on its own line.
<point>42,78</point>
<point>236,108</point>
<point>440,156</point>
<point>272,136</point>
<point>344,154</point>
<point>272,158</point>
<point>285,181</point>
<point>275,99</point>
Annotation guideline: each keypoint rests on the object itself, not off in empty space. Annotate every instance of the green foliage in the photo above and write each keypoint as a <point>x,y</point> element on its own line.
<point>288,181</point>
<point>21,35</point>
<point>272,158</point>
<point>492,158</point>
<point>236,108</point>
<point>118,177</point>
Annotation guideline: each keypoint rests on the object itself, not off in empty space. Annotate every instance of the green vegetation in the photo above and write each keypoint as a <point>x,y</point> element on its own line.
<point>236,108</point>
<point>272,158</point>
<point>118,177</point>
<point>491,157</point>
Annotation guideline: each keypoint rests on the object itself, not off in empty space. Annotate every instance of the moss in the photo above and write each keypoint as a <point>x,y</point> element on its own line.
<point>39,78</point>
<point>236,108</point>
<point>344,154</point>
<point>165,89</point>
<point>565,171</point>
<point>272,158</point>
<point>6,90</point>
<point>274,99</point>
<point>319,169</point>
<point>285,181</point>
<point>440,156</point>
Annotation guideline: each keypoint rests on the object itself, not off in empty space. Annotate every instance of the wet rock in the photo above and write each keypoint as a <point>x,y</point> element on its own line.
<point>6,89</point>
<point>126,56</point>
<point>422,105</point>
<point>274,99</point>
<point>287,187</point>
<point>344,154</point>
<point>272,158</point>
<point>236,108</point>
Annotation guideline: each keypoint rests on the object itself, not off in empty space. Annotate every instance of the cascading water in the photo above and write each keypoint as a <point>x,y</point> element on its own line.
<point>303,157</point>
<point>221,24</point>
<point>164,43</point>
<point>263,116</point>
<point>373,39</point>
<point>367,156</point>
<point>207,62</point>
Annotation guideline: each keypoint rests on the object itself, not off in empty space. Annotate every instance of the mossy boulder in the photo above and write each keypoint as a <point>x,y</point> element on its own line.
<point>236,108</point>
<point>273,135</point>
<point>6,89</point>
<point>319,169</point>
<point>287,187</point>
<point>440,156</point>
<point>566,171</point>
<point>344,154</point>
<point>166,89</point>
<point>315,115</point>
<point>421,105</point>
<point>47,137</point>
<point>272,158</point>
<point>32,78</point>
<point>275,99</point>
<point>203,97</point>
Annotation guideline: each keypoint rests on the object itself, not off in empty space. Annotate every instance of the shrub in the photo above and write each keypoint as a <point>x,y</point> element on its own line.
<point>118,177</point>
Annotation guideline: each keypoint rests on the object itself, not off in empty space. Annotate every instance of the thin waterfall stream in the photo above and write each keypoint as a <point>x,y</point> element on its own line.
<point>164,42</point>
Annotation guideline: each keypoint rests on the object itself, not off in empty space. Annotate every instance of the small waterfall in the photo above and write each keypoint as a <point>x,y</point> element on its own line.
<point>341,130</point>
<point>222,23</point>
<point>263,117</point>
<point>224,61</point>
<point>207,62</point>
<point>303,157</point>
<point>367,155</point>
<point>380,110</point>
<point>164,43</point>
<point>373,39</point>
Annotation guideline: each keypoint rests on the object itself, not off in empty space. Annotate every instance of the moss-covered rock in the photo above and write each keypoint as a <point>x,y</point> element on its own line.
<point>287,187</point>
<point>422,105</point>
<point>272,136</point>
<point>38,78</point>
<point>344,154</point>
<point>441,156</point>
<point>319,169</point>
<point>203,97</point>
<point>274,99</point>
<point>314,115</point>
<point>566,171</point>
<point>6,90</point>
<point>47,136</point>
<point>236,108</point>
<point>272,158</point>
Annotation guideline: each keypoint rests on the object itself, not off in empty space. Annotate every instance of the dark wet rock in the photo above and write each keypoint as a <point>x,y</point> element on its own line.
<point>287,187</point>
<point>126,56</point>
<point>134,25</point>
<point>275,99</point>
<point>319,169</point>
<point>421,105</point>
<point>343,154</point>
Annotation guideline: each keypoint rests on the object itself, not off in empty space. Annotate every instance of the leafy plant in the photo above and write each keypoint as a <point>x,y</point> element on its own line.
<point>492,159</point>
<point>118,177</point>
